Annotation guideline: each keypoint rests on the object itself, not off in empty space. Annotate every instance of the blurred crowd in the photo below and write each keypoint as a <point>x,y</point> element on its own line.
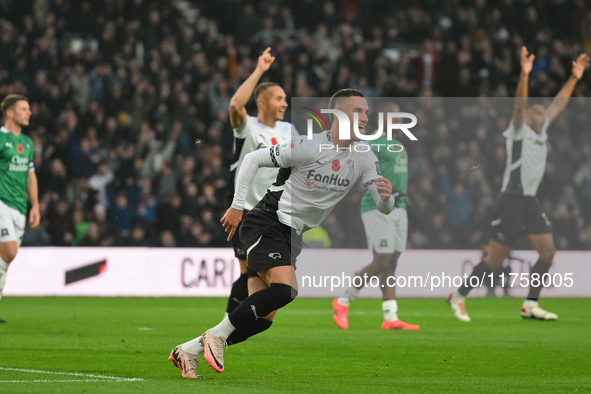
<point>130,106</point>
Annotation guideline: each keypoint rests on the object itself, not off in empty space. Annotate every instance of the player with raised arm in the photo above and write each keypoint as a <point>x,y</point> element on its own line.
<point>517,210</point>
<point>250,134</point>
<point>17,181</point>
<point>272,231</point>
<point>386,234</point>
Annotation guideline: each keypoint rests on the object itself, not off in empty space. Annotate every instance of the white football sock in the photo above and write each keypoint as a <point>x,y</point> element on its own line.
<point>224,329</point>
<point>350,295</point>
<point>458,296</point>
<point>530,303</point>
<point>390,309</point>
<point>3,269</point>
<point>193,346</point>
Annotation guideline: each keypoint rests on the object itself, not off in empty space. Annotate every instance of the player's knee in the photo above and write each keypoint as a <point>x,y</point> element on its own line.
<point>381,262</point>
<point>11,255</point>
<point>494,262</point>
<point>547,254</point>
<point>275,297</point>
<point>8,254</point>
<point>393,263</point>
<point>283,294</point>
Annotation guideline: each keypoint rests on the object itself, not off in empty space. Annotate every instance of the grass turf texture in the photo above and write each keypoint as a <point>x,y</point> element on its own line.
<point>303,352</point>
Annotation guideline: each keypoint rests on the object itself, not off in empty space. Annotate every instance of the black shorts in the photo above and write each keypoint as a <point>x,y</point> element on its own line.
<point>269,243</point>
<point>515,216</point>
<point>239,248</point>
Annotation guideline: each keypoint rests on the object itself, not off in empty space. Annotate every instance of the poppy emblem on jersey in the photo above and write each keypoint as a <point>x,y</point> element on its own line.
<point>336,165</point>
<point>19,148</point>
<point>274,141</point>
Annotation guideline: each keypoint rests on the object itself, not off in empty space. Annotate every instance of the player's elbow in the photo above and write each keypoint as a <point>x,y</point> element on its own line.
<point>518,122</point>
<point>249,158</point>
<point>251,161</point>
<point>235,106</point>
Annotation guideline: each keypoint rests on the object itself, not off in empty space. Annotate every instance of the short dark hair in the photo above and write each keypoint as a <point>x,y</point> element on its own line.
<point>343,93</point>
<point>10,100</point>
<point>262,88</point>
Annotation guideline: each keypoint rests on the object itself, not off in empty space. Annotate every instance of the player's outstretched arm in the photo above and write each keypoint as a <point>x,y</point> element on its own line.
<point>32,192</point>
<point>527,62</point>
<point>561,99</point>
<point>244,92</point>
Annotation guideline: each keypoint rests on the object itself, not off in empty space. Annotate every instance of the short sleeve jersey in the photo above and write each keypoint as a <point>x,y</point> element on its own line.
<point>526,159</point>
<point>250,136</point>
<point>16,160</point>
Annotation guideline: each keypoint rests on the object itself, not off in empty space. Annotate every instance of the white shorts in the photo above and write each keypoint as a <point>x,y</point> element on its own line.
<point>12,224</point>
<point>386,234</point>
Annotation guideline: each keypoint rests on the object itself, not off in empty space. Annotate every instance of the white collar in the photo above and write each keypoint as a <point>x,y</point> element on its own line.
<point>4,130</point>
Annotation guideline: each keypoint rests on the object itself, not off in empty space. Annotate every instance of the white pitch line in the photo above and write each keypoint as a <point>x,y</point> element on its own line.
<point>61,381</point>
<point>86,375</point>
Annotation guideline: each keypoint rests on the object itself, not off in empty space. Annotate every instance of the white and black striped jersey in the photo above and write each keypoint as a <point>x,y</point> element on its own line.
<point>311,180</point>
<point>526,159</point>
<point>251,136</point>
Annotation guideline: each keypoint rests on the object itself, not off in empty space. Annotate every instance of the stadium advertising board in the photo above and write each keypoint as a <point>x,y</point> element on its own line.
<point>158,272</point>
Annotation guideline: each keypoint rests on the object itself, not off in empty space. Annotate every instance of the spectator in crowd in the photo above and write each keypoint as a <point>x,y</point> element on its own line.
<point>138,237</point>
<point>167,239</point>
<point>121,216</point>
<point>99,182</point>
<point>197,237</point>
<point>459,200</point>
<point>61,229</point>
<point>92,237</point>
<point>168,217</point>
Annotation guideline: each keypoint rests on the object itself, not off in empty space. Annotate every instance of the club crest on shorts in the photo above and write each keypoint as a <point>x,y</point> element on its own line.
<point>275,255</point>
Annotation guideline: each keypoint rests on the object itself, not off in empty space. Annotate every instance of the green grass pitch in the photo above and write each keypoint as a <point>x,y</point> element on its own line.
<point>303,352</point>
